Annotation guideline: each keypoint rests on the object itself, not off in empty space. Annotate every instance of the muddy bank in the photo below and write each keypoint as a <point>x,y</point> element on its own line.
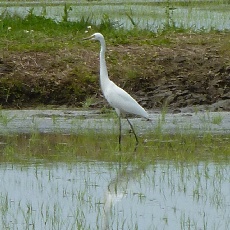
<point>191,72</point>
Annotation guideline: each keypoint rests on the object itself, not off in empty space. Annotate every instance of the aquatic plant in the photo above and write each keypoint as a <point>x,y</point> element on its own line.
<point>67,10</point>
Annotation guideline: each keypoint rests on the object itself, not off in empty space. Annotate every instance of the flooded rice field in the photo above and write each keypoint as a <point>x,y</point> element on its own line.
<point>130,14</point>
<point>99,195</point>
<point>62,169</point>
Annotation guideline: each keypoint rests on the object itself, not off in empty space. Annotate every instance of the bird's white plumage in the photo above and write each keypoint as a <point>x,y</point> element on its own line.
<point>119,99</point>
<point>122,101</point>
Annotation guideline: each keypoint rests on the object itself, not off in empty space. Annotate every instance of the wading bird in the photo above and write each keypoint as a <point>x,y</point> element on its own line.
<point>119,99</point>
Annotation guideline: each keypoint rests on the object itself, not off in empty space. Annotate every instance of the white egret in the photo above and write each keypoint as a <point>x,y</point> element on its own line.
<point>119,99</point>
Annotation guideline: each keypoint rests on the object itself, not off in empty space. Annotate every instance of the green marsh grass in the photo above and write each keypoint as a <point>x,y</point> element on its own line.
<point>217,119</point>
<point>104,147</point>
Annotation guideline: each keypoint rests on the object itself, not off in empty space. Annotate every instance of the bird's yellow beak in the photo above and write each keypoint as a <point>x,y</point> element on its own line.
<point>88,38</point>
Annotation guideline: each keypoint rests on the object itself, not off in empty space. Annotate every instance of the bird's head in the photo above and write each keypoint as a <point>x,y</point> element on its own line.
<point>96,36</point>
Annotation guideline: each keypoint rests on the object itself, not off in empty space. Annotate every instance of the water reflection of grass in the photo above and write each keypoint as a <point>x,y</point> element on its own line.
<point>165,169</point>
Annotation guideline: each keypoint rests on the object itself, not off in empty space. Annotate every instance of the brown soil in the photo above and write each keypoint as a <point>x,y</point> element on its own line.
<point>192,70</point>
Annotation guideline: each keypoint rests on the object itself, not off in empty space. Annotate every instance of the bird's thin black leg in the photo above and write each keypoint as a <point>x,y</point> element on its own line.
<point>132,130</point>
<point>119,131</point>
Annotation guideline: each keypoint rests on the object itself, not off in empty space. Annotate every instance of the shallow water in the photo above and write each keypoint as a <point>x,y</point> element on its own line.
<point>59,170</point>
<point>99,195</point>
<point>73,121</point>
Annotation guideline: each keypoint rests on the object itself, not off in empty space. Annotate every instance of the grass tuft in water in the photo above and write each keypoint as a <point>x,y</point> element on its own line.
<point>104,147</point>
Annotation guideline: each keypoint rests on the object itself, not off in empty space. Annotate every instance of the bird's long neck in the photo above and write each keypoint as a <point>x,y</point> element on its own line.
<point>104,78</point>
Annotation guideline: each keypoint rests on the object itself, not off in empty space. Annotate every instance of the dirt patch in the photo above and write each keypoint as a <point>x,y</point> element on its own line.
<point>193,70</point>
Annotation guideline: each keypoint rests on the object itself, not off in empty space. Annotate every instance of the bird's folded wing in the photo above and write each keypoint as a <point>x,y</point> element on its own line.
<point>120,99</point>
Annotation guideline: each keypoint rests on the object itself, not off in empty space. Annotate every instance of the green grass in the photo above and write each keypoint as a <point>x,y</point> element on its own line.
<point>177,148</point>
<point>35,33</point>
<point>39,33</point>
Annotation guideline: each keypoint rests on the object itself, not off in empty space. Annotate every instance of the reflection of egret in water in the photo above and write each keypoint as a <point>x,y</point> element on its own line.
<point>117,189</point>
